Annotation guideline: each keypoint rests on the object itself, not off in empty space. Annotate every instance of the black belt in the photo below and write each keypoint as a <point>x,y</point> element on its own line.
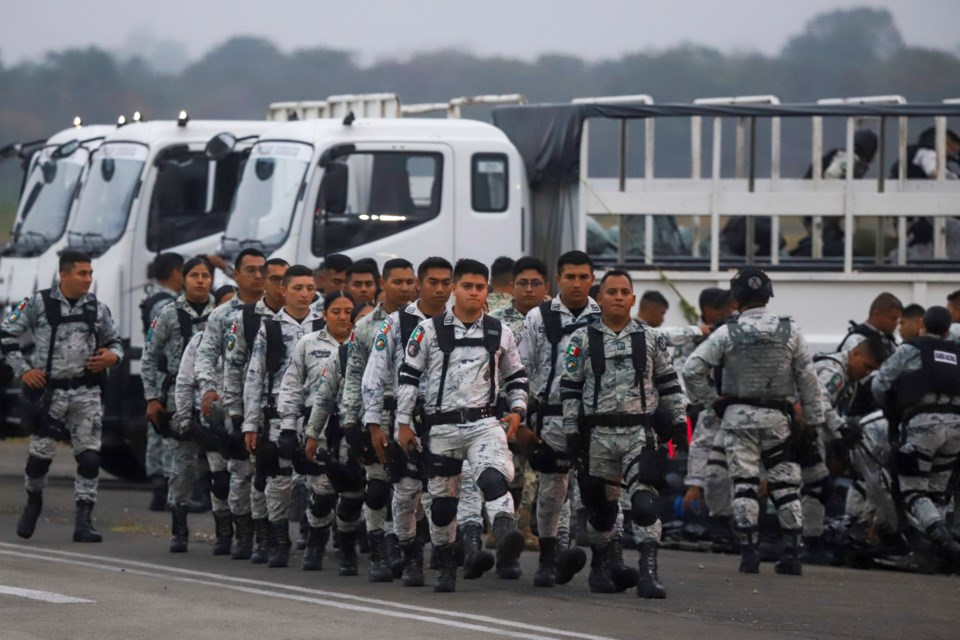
<point>390,403</point>
<point>87,380</point>
<point>616,420</point>
<point>776,405</point>
<point>548,410</point>
<point>930,408</point>
<point>463,416</point>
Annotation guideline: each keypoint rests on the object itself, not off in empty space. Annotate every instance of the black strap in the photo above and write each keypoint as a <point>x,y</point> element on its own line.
<point>344,353</point>
<point>447,341</point>
<point>317,324</point>
<point>51,308</point>
<point>638,346</point>
<point>408,324</point>
<point>276,350</point>
<point>554,330</point>
<point>148,303</point>
<point>250,320</point>
<point>598,362</point>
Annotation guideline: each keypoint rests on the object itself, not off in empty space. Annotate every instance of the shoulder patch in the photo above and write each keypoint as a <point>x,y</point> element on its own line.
<point>835,383</point>
<point>413,348</point>
<point>661,343</point>
<point>385,327</point>
<point>231,341</point>
<point>572,350</point>
<point>417,335</point>
<point>381,342</point>
<point>571,364</point>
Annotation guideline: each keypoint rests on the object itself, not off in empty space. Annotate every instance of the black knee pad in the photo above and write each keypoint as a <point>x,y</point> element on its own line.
<point>37,467</point>
<point>492,484</point>
<point>820,490</point>
<point>88,464</point>
<point>220,484</point>
<point>323,504</point>
<point>443,511</point>
<point>378,494</point>
<point>604,517</point>
<point>349,509</point>
<point>643,506</point>
<point>907,463</point>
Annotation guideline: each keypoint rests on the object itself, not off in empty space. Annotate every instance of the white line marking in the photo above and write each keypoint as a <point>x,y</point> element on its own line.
<point>99,564</point>
<point>43,596</point>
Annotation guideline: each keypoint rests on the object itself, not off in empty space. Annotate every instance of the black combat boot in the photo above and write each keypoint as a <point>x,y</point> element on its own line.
<point>476,559</point>
<point>649,585</point>
<point>446,580</point>
<point>392,555</point>
<point>304,532</point>
<point>378,570</point>
<point>570,560</point>
<point>263,534</point>
<point>362,545</point>
<point>31,512</point>
<point>83,530</point>
<point>179,534</point>
<point>243,543</point>
<point>412,563</point>
<point>280,554</point>
<point>789,562</point>
<point>317,539</point>
<point>546,574</point>
<point>623,576</point>
<point>223,524</point>
<point>600,580</point>
<point>158,493</point>
<point>580,533</point>
<point>749,551</point>
<point>348,553</point>
<point>941,537</point>
<point>510,544</point>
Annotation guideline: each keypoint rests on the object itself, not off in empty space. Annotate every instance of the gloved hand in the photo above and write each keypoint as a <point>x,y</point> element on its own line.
<point>851,433</point>
<point>680,437</point>
<point>287,443</point>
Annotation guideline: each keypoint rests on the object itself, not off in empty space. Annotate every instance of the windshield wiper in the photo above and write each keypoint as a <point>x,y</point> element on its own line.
<point>85,236</point>
<point>33,240</point>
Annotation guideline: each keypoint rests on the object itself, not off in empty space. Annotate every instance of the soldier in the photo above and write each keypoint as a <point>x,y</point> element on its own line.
<point>332,274</point>
<point>953,306</point>
<point>167,338</point>
<point>167,270</point>
<point>885,312</point>
<point>248,274</point>
<point>75,343</point>
<point>911,322</point>
<point>362,279</point>
<point>187,402</point>
<point>457,357</point>
<point>313,357</point>
<point>435,276</point>
<point>919,387</point>
<point>616,374</point>
<point>765,366</point>
<point>269,359</point>
<point>501,284</point>
<point>543,342</point>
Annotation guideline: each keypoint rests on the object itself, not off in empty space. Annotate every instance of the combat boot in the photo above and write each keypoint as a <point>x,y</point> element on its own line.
<point>392,555</point>
<point>158,493</point>
<point>262,549</point>
<point>280,554</point>
<point>570,560</point>
<point>412,563</point>
<point>649,585</point>
<point>600,580</point>
<point>304,532</point>
<point>530,541</point>
<point>789,562</point>
<point>317,539</point>
<point>941,537</point>
<point>348,553</point>
<point>476,560</point>
<point>31,512</point>
<point>83,530</point>
<point>223,525</point>
<point>446,580</point>
<point>546,574</point>
<point>509,546</point>
<point>623,576</point>
<point>749,551</point>
<point>243,543</point>
<point>378,570</point>
<point>179,534</point>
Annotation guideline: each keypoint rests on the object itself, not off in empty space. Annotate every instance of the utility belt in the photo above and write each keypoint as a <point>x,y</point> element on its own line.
<point>783,406</point>
<point>390,403</point>
<point>930,408</point>
<point>616,420</point>
<point>549,410</point>
<point>461,416</point>
<point>89,380</point>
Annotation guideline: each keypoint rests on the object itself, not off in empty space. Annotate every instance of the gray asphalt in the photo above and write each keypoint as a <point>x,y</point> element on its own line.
<point>135,589</point>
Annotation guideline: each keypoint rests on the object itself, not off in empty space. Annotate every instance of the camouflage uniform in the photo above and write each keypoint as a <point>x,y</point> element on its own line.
<point>499,300</point>
<point>869,501</point>
<point>765,361</point>
<point>707,465</point>
<point>159,456</point>
<point>162,351</point>
<point>78,409</point>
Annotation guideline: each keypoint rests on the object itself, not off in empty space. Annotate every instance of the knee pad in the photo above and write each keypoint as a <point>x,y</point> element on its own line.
<point>349,509</point>
<point>907,463</point>
<point>220,484</point>
<point>492,484</point>
<point>818,489</point>
<point>643,505</point>
<point>88,464</point>
<point>604,517</point>
<point>378,494</point>
<point>323,504</point>
<point>37,467</point>
<point>443,511</point>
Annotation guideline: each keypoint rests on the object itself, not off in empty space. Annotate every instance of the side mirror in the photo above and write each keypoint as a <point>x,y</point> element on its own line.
<point>333,188</point>
<point>220,146</point>
<point>11,151</point>
<point>65,150</point>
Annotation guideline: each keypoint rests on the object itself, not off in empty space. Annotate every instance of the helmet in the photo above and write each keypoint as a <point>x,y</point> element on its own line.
<point>749,283</point>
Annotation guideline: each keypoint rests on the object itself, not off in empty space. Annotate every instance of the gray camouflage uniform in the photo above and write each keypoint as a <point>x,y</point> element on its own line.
<point>467,386</point>
<point>79,409</point>
<point>766,361</point>
<point>159,456</point>
<point>615,452</point>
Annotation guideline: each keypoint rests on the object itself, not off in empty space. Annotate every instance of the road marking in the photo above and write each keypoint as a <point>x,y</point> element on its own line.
<point>218,580</point>
<point>43,596</point>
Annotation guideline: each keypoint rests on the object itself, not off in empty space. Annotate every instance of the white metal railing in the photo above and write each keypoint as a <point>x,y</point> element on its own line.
<point>454,107</point>
<point>366,105</point>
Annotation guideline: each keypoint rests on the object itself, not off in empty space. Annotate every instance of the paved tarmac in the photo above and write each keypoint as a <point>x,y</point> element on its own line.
<point>130,587</point>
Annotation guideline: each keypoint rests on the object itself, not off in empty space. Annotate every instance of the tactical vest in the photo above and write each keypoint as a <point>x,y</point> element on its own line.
<point>147,304</point>
<point>555,331</point>
<point>447,341</point>
<point>186,323</point>
<point>938,375</point>
<point>51,309</point>
<point>277,350</point>
<point>598,362</point>
<point>759,365</point>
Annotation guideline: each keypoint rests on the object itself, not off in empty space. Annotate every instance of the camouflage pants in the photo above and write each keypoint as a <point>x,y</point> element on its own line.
<point>481,445</point>
<point>707,466</point>
<point>244,498</point>
<point>869,500</point>
<point>183,472</point>
<point>159,455</point>
<point>814,478</point>
<point>747,450</point>
<point>553,499</point>
<point>81,412</point>
<point>217,463</point>
<point>323,501</point>
<point>925,461</point>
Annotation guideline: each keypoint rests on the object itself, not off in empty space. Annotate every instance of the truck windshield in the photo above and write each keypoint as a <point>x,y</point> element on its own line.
<point>263,208</point>
<point>47,195</point>
<point>105,202</point>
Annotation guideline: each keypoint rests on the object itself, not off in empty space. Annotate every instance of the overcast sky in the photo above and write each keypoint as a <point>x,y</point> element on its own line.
<point>387,28</point>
